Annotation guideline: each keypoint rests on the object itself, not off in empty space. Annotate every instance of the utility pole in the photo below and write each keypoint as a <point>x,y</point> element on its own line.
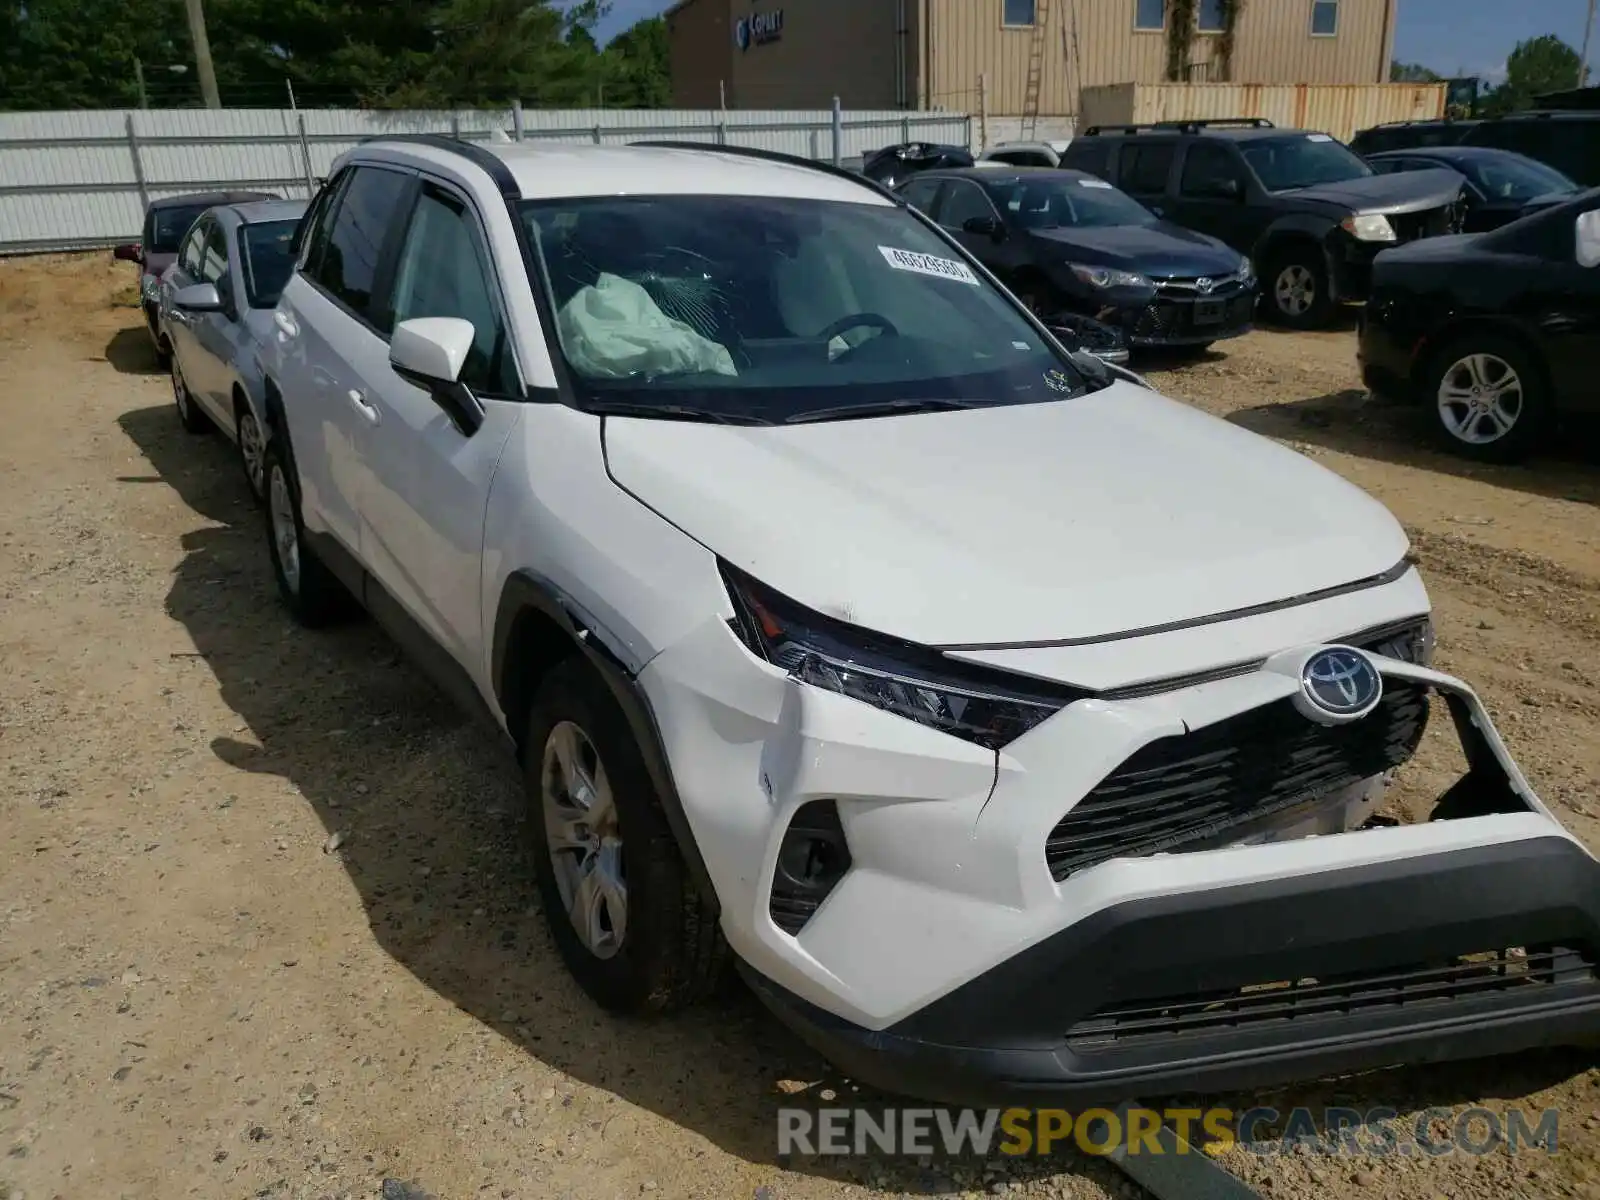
<point>138,78</point>
<point>1588,32</point>
<point>202,54</point>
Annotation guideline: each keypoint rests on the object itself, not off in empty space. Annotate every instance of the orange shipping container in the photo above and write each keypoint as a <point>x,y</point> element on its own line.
<point>1337,108</point>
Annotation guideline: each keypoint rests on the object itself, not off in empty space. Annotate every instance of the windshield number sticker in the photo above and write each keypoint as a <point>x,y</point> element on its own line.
<point>1094,183</point>
<point>928,264</point>
<point>1318,137</point>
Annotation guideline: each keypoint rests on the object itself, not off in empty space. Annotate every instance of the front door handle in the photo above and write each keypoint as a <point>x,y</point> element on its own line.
<point>286,324</point>
<point>363,405</point>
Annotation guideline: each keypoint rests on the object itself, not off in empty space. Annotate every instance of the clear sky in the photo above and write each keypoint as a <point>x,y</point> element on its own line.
<point>1470,37</point>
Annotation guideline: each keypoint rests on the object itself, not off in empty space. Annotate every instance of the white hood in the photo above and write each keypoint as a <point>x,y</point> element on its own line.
<point>1117,511</point>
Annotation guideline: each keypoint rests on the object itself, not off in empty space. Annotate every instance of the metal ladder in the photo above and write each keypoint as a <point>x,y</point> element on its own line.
<point>1035,83</point>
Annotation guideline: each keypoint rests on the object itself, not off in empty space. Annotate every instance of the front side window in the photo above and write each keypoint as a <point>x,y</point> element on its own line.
<point>444,272</point>
<point>962,202</point>
<point>1149,14</point>
<point>1324,18</point>
<point>366,212</point>
<point>266,256</point>
<point>168,225</point>
<point>1209,172</point>
<point>771,309</point>
<point>1018,12</point>
<point>1283,164</point>
<point>189,256</point>
<point>213,254</point>
<point>1056,203</point>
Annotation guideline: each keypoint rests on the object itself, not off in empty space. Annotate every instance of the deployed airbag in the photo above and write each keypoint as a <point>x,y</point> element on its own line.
<point>612,329</point>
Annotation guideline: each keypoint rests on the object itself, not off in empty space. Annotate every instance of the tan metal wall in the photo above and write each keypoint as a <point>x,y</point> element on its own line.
<point>964,39</point>
<point>700,52</point>
<point>1328,108</point>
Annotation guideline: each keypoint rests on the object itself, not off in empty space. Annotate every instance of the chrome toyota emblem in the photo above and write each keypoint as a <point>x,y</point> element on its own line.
<point>1339,684</point>
<point>1204,284</point>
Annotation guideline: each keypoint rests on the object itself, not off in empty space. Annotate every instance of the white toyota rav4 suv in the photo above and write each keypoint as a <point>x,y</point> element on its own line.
<point>1019,731</point>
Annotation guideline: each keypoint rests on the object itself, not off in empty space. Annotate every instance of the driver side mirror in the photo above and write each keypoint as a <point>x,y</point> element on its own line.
<point>198,298</point>
<point>129,252</point>
<point>1588,238</point>
<point>431,352</point>
<point>989,227</point>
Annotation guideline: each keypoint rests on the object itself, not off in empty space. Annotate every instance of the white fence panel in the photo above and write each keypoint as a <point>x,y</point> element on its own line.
<point>82,179</point>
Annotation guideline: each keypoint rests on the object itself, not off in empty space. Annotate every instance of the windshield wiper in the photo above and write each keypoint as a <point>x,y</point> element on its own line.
<point>667,412</point>
<point>885,408</point>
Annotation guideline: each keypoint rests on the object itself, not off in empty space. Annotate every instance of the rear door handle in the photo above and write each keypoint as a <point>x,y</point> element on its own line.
<point>363,406</point>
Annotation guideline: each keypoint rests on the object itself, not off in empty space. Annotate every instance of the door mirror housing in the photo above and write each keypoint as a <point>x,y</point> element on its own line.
<point>1587,238</point>
<point>198,297</point>
<point>431,352</point>
<point>129,252</point>
<point>989,227</point>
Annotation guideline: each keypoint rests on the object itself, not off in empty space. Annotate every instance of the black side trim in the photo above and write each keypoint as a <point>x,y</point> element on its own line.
<point>471,151</point>
<point>1254,610</point>
<point>331,553</point>
<point>523,592</point>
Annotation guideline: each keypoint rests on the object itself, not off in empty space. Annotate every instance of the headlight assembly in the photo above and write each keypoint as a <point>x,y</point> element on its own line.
<point>1105,277</point>
<point>977,705</point>
<point>1368,227</point>
<point>1247,270</point>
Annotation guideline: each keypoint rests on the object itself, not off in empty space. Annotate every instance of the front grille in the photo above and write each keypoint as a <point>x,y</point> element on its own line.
<point>1408,227</point>
<point>1189,789</point>
<point>1188,285</point>
<point>1166,320</point>
<point>1430,986</point>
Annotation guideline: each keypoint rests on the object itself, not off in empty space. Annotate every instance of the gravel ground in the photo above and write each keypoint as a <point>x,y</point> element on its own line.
<point>199,995</point>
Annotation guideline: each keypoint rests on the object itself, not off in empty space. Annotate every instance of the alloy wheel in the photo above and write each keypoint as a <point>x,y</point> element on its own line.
<point>1480,399</point>
<point>1295,290</point>
<point>582,831</point>
<point>285,533</point>
<point>253,451</point>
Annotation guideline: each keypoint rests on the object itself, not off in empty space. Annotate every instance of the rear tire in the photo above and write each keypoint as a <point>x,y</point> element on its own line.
<point>1296,290</point>
<point>252,444</point>
<point>1488,398</point>
<point>311,592</point>
<point>627,918</point>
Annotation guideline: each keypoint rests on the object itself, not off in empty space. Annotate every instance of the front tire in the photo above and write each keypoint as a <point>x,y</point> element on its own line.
<point>1489,400</point>
<point>624,913</point>
<point>1297,293</point>
<point>190,415</point>
<point>311,593</point>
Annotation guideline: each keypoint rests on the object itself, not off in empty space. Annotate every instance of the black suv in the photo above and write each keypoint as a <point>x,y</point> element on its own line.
<point>1568,140</point>
<point>1310,214</point>
<point>1410,135</point>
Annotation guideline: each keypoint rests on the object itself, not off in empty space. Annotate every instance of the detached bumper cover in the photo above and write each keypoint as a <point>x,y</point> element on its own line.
<point>1244,986</point>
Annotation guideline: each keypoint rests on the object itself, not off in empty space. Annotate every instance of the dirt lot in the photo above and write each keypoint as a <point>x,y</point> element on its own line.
<point>196,999</point>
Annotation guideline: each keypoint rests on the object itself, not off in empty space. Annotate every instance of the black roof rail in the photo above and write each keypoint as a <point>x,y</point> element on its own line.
<point>472,151</point>
<point>777,156</point>
<point>1185,126</point>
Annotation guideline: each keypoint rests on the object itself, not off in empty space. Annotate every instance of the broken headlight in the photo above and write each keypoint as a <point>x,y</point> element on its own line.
<point>977,705</point>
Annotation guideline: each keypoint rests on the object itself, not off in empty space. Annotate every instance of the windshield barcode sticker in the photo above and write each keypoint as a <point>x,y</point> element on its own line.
<point>1093,183</point>
<point>928,264</point>
<point>1318,137</point>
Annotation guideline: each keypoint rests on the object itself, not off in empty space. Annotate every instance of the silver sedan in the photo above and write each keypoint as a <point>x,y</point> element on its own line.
<point>216,307</point>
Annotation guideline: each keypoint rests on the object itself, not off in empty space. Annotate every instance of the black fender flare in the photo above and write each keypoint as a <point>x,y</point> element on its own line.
<point>278,428</point>
<point>1292,227</point>
<point>525,592</point>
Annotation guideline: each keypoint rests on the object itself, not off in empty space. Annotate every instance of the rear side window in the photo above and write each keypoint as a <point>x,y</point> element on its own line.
<point>1208,170</point>
<point>349,264</point>
<point>1090,155</point>
<point>1145,168</point>
<point>213,253</point>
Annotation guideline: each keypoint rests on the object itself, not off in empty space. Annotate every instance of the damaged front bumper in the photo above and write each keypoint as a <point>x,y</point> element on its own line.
<point>976,952</point>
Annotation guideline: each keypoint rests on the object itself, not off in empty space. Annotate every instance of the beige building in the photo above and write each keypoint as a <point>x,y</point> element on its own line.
<point>1033,56</point>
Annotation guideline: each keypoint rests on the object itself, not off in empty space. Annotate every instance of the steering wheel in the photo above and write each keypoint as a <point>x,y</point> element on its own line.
<point>855,321</point>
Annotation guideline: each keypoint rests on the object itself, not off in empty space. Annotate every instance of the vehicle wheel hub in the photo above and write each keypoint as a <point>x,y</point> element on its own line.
<point>1480,399</point>
<point>584,839</point>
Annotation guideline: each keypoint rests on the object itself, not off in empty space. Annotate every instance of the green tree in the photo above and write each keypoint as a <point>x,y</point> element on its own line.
<point>1538,65</point>
<point>1402,72</point>
<point>635,67</point>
